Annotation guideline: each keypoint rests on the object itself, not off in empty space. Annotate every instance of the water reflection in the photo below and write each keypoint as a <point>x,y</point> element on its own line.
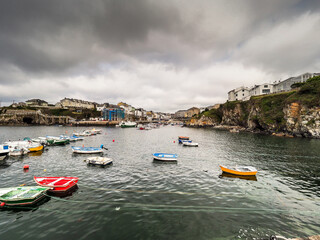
<point>228,175</point>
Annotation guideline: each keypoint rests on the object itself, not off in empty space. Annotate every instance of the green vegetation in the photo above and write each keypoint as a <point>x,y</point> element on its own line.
<point>215,114</point>
<point>309,93</point>
<point>267,111</point>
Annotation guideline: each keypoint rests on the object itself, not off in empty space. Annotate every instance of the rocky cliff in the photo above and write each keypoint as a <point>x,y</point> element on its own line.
<point>295,113</point>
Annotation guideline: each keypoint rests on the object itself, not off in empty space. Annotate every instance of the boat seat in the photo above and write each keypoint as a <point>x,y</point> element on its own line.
<point>52,183</point>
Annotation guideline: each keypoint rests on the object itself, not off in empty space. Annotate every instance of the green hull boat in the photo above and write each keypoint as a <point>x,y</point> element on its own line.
<point>53,142</point>
<point>21,196</point>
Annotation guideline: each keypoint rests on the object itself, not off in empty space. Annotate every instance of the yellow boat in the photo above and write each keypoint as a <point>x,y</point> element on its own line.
<point>240,170</point>
<point>36,149</point>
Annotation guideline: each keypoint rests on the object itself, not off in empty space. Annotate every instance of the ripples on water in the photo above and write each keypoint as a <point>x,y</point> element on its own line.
<point>136,198</point>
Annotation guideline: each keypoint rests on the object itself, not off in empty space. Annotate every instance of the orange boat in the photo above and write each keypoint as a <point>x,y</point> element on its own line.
<point>240,170</point>
<point>183,138</point>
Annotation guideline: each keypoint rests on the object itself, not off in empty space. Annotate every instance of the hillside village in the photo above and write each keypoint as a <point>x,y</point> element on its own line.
<point>244,93</point>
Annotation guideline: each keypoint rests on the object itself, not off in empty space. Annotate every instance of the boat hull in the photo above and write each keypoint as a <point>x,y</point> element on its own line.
<point>57,184</point>
<point>22,196</point>
<point>239,173</point>
<point>165,157</point>
<point>36,149</point>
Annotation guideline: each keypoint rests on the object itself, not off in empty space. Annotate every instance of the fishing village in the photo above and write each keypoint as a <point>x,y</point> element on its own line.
<point>157,120</point>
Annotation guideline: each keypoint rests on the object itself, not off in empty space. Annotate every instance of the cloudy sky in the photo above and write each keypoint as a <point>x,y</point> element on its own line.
<point>159,55</point>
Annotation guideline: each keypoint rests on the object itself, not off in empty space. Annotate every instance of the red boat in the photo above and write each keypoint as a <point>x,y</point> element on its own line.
<point>59,184</point>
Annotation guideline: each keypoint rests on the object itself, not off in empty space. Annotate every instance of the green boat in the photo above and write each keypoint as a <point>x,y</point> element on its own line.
<point>21,196</point>
<point>53,142</point>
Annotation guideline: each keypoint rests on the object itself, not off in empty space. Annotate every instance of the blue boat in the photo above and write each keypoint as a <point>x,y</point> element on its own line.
<point>88,150</point>
<point>165,157</point>
<point>182,141</point>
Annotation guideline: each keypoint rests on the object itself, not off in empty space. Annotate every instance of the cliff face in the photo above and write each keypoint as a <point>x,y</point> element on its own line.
<point>295,113</point>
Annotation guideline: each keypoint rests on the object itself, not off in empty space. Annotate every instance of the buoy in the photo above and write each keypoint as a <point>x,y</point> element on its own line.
<point>113,140</point>
<point>174,141</point>
<point>2,204</point>
<point>26,166</point>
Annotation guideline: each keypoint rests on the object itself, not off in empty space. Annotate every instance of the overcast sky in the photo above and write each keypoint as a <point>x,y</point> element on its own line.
<point>159,55</point>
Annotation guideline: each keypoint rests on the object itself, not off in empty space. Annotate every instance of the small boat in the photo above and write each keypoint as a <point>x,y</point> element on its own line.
<point>4,151</point>
<point>96,131</point>
<point>57,184</point>
<point>88,150</point>
<point>183,138</point>
<point>18,151</point>
<point>240,170</point>
<point>182,141</point>
<point>21,196</point>
<point>99,161</point>
<point>165,157</point>
<point>75,138</point>
<point>190,144</point>
<point>31,146</point>
<point>127,124</point>
<point>57,141</point>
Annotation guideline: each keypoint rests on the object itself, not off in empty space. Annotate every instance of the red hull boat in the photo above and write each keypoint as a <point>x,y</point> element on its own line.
<point>59,184</point>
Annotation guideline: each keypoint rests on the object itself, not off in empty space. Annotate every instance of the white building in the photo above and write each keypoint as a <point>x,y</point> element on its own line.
<point>265,88</point>
<point>241,93</point>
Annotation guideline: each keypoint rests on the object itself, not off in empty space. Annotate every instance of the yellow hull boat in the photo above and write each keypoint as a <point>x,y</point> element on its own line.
<point>36,149</point>
<point>240,170</point>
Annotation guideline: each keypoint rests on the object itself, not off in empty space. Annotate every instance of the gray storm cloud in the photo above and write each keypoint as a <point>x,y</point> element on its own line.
<point>160,55</point>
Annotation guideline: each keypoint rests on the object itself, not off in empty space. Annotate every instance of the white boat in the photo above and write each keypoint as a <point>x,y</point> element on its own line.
<point>87,150</point>
<point>127,124</point>
<point>96,131</point>
<point>4,151</point>
<point>31,146</point>
<point>18,151</point>
<point>190,144</point>
<point>99,161</point>
<point>165,157</point>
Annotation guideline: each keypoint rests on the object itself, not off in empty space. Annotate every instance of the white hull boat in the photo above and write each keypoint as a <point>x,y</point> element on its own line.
<point>190,144</point>
<point>99,161</point>
<point>165,157</point>
<point>87,150</point>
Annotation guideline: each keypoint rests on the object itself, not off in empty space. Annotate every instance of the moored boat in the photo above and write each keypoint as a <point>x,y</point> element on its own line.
<point>99,161</point>
<point>21,196</point>
<point>240,170</point>
<point>127,124</point>
<point>18,151</point>
<point>165,157</point>
<point>190,144</point>
<point>183,138</point>
<point>57,184</point>
<point>4,151</point>
<point>31,146</point>
<point>87,150</point>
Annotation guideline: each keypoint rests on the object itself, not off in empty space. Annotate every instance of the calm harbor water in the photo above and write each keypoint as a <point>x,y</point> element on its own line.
<point>136,198</point>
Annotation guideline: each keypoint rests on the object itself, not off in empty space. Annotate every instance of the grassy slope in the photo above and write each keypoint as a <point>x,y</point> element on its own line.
<point>271,106</point>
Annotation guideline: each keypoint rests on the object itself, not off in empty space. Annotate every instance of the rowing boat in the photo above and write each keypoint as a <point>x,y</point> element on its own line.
<point>98,161</point>
<point>165,157</point>
<point>57,184</point>
<point>240,170</point>
<point>21,196</point>
<point>88,150</point>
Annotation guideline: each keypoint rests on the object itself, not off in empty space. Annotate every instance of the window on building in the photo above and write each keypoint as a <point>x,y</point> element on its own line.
<point>265,86</point>
<point>242,90</point>
<point>242,94</point>
<point>265,90</point>
<point>237,94</point>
